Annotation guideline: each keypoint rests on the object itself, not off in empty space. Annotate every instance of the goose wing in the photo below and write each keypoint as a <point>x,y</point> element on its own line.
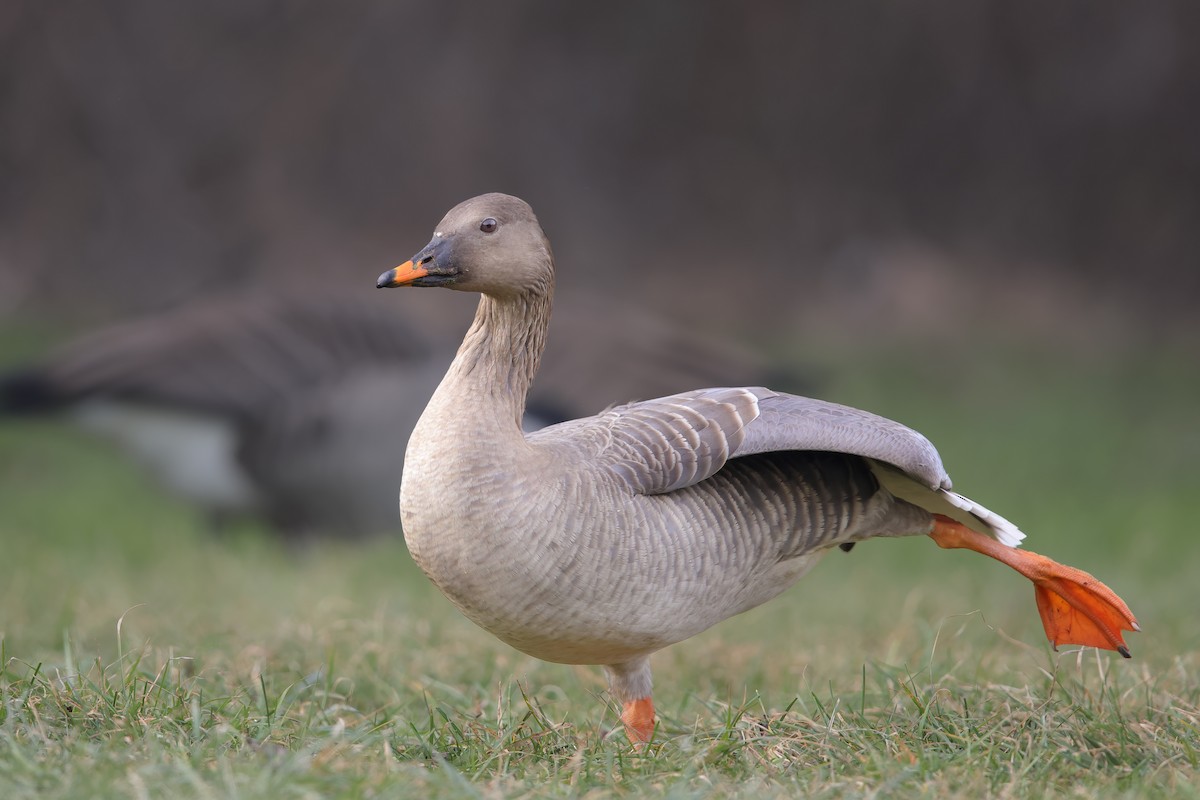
<point>229,357</point>
<point>659,446</point>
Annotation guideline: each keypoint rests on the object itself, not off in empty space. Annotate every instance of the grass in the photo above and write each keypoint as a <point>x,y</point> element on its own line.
<point>142,657</point>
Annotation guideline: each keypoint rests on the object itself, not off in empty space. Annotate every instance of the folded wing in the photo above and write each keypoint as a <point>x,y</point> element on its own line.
<point>659,446</point>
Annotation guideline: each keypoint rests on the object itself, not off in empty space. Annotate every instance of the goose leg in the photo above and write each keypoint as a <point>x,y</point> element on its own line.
<point>630,683</point>
<point>1074,606</point>
<point>638,716</point>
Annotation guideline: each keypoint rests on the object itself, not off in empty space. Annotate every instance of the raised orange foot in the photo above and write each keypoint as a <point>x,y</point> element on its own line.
<point>1074,606</point>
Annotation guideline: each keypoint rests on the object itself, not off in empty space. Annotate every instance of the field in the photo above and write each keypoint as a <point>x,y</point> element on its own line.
<point>140,656</point>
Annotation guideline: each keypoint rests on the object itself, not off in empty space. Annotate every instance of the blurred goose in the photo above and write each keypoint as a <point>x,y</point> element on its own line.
<point>604,539</point>
<point>298,408</point>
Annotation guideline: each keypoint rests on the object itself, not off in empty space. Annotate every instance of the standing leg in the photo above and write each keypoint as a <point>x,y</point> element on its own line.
<point>630,683</point>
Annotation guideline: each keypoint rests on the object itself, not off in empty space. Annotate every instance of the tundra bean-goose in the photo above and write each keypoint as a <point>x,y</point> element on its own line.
<point>604,539</point>
<point>297,407</point>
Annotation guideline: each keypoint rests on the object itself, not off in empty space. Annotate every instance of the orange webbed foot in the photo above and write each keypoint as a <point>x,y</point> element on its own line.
<point>1075,607</point>
<point>1078,609</point>
<point>638,716</point>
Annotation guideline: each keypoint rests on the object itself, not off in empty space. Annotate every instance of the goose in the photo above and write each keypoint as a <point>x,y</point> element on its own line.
<point>604,539</point>
<point>283,405</point>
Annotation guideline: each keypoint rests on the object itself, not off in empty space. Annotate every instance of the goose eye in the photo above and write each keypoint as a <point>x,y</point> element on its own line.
<point>489,225</point>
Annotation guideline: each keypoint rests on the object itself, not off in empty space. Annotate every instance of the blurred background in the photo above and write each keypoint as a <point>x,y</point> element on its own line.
<point>767,169</point>
<point>981,219</point>
<point>970,195</point>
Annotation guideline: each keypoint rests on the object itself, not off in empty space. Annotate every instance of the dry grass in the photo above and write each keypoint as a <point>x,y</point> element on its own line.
<point>140,657</point>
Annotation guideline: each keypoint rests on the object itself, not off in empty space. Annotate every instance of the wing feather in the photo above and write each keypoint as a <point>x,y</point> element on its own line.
<point>662,445</point>
<point>791,422</point>
<point>659,446</point>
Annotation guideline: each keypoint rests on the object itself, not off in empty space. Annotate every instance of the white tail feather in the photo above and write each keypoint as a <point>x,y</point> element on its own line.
<point>940,500</point>
<point>1004,531</point>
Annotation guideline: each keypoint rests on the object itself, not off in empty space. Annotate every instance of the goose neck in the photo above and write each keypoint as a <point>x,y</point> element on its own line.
<point>501,352</point>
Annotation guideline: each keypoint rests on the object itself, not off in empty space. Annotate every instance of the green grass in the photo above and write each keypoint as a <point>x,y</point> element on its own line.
<point>142,657</point>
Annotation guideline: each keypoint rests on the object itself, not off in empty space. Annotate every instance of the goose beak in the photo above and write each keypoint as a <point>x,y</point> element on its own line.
<point>403,275</point>
<point>433,266</point>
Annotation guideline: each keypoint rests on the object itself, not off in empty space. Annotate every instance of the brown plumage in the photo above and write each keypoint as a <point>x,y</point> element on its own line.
<point>603,539</point>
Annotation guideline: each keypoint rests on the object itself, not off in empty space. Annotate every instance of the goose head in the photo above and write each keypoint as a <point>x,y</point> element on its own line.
<point>491,244</point>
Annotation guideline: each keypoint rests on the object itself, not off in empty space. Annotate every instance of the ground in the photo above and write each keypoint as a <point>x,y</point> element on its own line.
<point>142,657</point>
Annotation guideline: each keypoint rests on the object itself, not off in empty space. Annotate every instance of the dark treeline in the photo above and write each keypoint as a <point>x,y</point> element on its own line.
<point>153,152</point>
